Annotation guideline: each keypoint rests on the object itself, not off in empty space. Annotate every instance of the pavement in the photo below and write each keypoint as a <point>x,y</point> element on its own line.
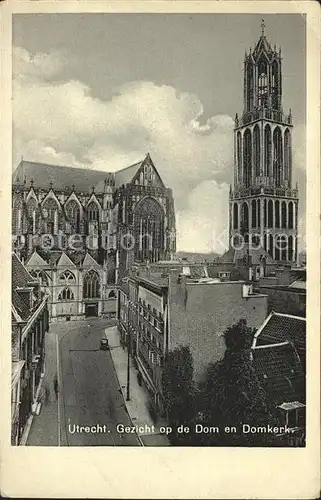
<point>137,406</point>
<point>90,404</point>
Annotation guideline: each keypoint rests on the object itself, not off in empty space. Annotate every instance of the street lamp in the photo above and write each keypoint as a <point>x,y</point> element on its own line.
<point>128,354</point>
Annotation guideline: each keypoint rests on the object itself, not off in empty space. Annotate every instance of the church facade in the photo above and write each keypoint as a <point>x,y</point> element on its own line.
<point>78,230</point>
<point>263,205</point>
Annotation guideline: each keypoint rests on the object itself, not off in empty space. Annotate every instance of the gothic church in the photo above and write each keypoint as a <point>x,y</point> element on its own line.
<point>78,230</point>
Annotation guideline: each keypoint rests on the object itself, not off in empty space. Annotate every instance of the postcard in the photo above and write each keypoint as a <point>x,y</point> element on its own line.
<point>162,180</point>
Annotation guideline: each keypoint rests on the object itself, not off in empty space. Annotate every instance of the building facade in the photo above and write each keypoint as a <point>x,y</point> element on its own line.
<point>78,230</point>
<point>30,322</point>
<point>158,312</point>
<point>263,205</point>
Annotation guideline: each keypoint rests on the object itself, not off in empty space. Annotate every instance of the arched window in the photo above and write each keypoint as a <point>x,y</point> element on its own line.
<point>247,158</point>
<point>277,214</point>
<point>275,86</point>
<point>290,215</point>
<point>267,151</point>
<point>112,295</point>
<point>92,212</point>
<point>50,215</point>
<point>148,230</point>
<point>265,214</point>
<point>239,156</point>
<point>40,276</point>
<point>277,157</point>
<point>287,155</point>
<point>290,248</point>
<point>283,215</point>
<point>257,149</point>
<point>250,91</point>
<point>271,245</point>
<point>263,87</point>
<point>244,219</point>
<point>66,294</point>
<point>67,276</point>
<point>17,215</point>
<point>270,213</point>
<point>254,213</point>
<point>265,241</point>
<point>73,218</point>
<point>235,216</point>
<point>258,213</point>
<point>91,285</point>
<point>33,215</point>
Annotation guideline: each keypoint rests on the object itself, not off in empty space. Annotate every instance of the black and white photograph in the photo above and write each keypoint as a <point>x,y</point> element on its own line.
<point>160,246</point>
<point>158,230</point>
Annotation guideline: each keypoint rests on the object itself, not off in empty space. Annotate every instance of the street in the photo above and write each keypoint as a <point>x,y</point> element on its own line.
<point>89,394</point>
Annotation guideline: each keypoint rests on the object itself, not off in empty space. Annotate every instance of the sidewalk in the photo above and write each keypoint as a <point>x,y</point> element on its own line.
<point>44,427</point>
<point>137,407</point>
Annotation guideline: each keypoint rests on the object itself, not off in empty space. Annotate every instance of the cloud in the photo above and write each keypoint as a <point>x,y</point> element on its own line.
<point>39,65</point>
<point>61,122</point>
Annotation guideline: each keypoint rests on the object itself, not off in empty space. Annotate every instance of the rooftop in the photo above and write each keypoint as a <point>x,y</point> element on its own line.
<point>280,372</point>
<point>280,327</point>
<point>241,256</point>
<point>62,177</point>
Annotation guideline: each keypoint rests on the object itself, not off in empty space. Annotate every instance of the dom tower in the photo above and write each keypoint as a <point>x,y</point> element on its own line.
<point>263,206</point>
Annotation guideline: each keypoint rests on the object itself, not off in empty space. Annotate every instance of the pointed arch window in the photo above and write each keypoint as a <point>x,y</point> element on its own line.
<point>277,214</point>
<point>277,157</point>
<point>40,276</point>
<point>239,155</point>
<point>91,285</point>
<point>17,215</point>
<point>267,151</point>
<point>250,91</point>
<point>66,294</point>
<point>73,218</point>
<point>270,214</point>
<point>112,295</point>
<point>50,215</point>
<point>254,214</point>
<point>149,230</point>
<point>263,83</point>
<point>247,158</point>
<point>92,212</point>
<point>33,215</point>
<point>275,85</point>
<point>290,215</point>
<point>67,276</point>
<point>245,220</point>
<point>235,216</point>
<point>257,150</point>
<point>287,155</point>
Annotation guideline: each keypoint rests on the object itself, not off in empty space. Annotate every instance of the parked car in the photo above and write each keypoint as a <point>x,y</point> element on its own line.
<point>104,345</point>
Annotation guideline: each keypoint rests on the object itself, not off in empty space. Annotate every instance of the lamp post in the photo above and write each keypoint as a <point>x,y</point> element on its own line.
<point>128,354</point>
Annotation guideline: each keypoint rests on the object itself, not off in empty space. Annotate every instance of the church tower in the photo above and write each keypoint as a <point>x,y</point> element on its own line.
<point>263,206</point>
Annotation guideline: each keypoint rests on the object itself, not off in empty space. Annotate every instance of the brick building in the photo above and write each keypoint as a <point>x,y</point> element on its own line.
<point>30,322</point>
<point>158,312</point>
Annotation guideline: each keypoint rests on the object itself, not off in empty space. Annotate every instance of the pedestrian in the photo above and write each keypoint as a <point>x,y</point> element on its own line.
<point>56,386</point>
<point>47,394</point>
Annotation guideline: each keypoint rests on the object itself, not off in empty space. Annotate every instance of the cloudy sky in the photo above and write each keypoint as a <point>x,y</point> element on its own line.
<point>102,90</point>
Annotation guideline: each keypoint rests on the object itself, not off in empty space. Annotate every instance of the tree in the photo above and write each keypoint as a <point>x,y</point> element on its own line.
<point>178,390</point>
<point>233,395</point>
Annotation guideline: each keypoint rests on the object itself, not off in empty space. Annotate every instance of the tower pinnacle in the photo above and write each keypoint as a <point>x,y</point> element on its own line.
<point>263,27</point>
